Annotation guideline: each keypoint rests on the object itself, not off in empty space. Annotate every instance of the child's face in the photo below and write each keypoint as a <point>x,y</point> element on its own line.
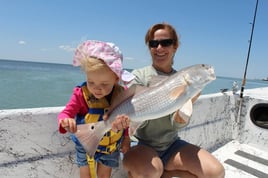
<point>100,83</point>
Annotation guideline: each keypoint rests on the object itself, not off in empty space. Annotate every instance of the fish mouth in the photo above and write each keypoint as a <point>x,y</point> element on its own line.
<point>211,71</point>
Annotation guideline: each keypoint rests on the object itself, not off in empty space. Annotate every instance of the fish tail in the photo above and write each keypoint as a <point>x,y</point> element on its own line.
<point>90,135</point>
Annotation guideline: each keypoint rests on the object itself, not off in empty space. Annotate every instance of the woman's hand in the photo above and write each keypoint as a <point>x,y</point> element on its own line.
<point>69,124</point>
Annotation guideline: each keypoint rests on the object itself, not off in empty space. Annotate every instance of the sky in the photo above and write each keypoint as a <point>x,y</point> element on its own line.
<point>215,32</point>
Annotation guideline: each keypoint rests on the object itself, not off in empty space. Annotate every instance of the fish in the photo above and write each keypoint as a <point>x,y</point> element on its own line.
<point>164,95</point>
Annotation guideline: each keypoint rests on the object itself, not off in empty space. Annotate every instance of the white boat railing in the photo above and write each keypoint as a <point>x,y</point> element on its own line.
<point>31,145</point>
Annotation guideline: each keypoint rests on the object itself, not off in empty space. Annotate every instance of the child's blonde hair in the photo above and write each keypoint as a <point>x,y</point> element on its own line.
<point>91,64</point>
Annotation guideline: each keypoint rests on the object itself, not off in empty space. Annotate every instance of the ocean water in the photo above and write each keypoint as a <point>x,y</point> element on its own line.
<point>31,84</point>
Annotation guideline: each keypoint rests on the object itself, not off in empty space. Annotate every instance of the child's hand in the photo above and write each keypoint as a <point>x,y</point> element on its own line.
<point>69,124</point>
<point>121,122</point>
<point>125,145</point>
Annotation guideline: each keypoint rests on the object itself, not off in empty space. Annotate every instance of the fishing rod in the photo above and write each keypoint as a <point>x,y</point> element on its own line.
<point>249,48</point>
<point>246,67</point>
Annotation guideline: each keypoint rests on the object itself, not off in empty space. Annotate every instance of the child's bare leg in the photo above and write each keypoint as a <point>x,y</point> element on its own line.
<point>84,172</point>
<point>103,171</point>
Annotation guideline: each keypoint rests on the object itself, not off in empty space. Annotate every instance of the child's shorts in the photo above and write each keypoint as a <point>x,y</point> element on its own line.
<point>111,160</point>
<point>81,155</point>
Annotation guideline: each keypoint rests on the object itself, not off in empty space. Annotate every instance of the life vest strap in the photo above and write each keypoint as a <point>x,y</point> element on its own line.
<point>100,111</point>
<point>108,149</point>
<point>113,138</point>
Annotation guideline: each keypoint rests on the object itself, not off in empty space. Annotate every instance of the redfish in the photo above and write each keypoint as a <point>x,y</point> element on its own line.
<point>164,96</point>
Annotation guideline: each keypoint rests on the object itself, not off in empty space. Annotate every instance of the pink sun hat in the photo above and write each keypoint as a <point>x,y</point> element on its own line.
<point>106,51</point>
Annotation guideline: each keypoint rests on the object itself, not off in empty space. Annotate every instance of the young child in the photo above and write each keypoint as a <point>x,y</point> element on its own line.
<point>102,64</point>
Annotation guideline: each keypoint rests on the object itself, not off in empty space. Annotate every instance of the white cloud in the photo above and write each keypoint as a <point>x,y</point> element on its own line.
<point>128,58</point>
<point>67,48</point>
<point>21,42</point>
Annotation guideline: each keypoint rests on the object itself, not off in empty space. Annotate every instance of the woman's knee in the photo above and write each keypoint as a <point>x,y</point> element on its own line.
<point>216,171</point>
<point>142,161</point>
<point>200,162</point>
<point>139,155</point>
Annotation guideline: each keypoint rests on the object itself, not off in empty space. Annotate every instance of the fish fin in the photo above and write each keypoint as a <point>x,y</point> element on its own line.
<point>186,110</point>
<point>157,80</point>
<point>183,115</point>
<point>130,92</point>
<point>133,127</point>
<point>177,91</point>
<point>90,135</point>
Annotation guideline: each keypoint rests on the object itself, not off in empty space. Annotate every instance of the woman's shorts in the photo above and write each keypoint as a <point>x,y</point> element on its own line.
<point>170,151</point>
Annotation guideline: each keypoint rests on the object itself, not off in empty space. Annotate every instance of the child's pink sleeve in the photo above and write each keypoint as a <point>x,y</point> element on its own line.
<point>75,105</point>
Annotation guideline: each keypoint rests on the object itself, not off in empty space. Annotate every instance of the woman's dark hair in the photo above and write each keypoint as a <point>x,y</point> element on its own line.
<point>150,33</point>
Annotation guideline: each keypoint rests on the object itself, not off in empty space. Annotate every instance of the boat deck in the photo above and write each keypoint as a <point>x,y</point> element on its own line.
<point>242,160</point>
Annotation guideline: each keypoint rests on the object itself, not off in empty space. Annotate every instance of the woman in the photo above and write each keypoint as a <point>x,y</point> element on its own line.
<point>160,152</point>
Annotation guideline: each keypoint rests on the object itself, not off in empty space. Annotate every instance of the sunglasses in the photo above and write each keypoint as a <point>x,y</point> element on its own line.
<point>163,43</point>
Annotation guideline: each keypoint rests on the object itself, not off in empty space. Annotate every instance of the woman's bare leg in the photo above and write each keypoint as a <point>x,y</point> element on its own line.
<point>142,162</point>
<point>196,161</point>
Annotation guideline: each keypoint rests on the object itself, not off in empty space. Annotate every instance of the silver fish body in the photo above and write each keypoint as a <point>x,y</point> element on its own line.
<point>160,99</point>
